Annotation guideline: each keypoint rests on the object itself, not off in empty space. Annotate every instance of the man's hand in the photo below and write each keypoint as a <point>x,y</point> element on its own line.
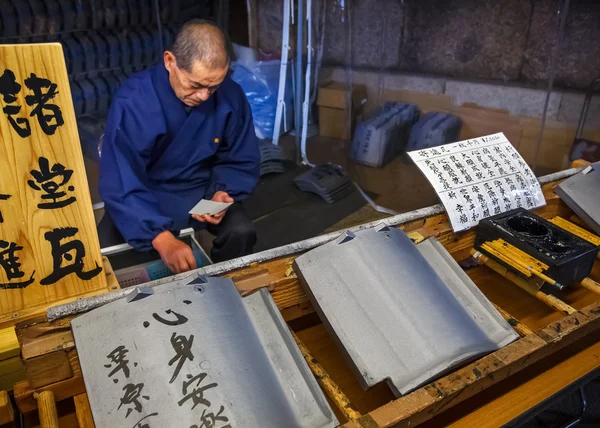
<point>220,196</point>
<point>177,255</point>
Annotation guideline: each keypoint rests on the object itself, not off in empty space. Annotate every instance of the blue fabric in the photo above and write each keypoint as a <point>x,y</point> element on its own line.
<point>158,160</point>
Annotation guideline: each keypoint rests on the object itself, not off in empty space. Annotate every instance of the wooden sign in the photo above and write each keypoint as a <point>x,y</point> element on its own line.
<point>49,247</point>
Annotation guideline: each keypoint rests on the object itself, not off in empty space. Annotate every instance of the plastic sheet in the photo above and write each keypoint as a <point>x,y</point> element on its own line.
<point>260,82</point>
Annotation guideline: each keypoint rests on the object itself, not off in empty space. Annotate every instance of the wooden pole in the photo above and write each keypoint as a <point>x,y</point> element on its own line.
<point>591,285</point>
<point>550,300</point>
<point>519,327</point>
<point>47,409</point>
<point>331,388</point>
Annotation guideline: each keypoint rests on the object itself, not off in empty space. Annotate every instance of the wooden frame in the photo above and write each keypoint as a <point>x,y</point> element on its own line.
<point>543,331</point>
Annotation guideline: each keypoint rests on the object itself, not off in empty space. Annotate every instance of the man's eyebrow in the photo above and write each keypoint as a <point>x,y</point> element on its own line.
<point>197,84</point>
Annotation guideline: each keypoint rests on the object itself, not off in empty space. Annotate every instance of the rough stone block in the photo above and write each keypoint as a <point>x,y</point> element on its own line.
<point>467,38</point>
<point>518,101</point>
<point>578,58</point>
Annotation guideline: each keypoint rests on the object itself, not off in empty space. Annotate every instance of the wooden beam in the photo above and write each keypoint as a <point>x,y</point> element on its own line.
<point>7,414</point>
<point>84,412</point>
<point>9,345</point>
<point>30,313</point>
<point>46,409</point>
<point>62,390</point>
<point>332,390</point>
<point>48,369</point>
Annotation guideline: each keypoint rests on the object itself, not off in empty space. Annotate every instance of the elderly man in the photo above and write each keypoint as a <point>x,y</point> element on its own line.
<point>177,133</point>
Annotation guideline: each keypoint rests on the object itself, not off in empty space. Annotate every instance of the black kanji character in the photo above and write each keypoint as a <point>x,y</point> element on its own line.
<point>183,352</point>
<point>209,420</point>
<point>9,88</point>
<point>486,212</point>
<point>50,181</point>
<point>463,218</point>
<point>12,267</point>
<point>139,424</point>
<point>497,209</point>
<point>132,396</point>
<point>3,198</point>
<point>39,99</point>
<point>118,357</point>
<point>459,208</point>
<point>180,319</point>
<point>452,195</point>
<point>62,252</point>
<point>197,394</point>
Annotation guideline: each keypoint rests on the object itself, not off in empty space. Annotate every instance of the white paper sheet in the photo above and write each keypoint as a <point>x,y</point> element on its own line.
<point>209,207</point>
<point>479,178</point>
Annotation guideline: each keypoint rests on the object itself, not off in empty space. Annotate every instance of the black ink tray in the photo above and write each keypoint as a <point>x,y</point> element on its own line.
<point>569,257</point>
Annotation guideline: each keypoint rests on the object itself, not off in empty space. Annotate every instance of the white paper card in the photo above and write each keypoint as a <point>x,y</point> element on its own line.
<point>209,207</point>
<point>479,178</point>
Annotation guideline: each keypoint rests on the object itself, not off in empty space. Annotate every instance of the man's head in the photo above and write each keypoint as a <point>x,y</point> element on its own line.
<point>198,61</point>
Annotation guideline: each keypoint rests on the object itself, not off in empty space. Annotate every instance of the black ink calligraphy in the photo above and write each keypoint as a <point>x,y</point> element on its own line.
<point>209,420</point>
<point>50,181</point>
<point>40,101</point>
<point>183,352</point>
<point>118,357</point>
<point>132,394</point>
<point>12,267</point>
<point>63,251</point>
<point>197,394</point>
<point>179,319</point>
<point>9,88</point>
<point>3,198</point>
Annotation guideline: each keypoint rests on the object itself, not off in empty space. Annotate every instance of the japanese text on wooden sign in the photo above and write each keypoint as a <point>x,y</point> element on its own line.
<point>48,243</point>
<point>479,178</point>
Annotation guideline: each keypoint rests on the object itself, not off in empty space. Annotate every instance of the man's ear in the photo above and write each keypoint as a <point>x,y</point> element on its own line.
<point>170,61</point>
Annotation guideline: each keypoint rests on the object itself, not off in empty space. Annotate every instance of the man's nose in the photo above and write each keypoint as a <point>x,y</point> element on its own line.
<point>203,94</point>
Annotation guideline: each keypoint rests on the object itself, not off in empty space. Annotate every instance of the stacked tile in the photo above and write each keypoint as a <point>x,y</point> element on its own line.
<point>271,158</point>
<point>434,129</point>
<point>327,181</point>
<point>581,193</point>
<point>384,135</point>
<point>401,313</point>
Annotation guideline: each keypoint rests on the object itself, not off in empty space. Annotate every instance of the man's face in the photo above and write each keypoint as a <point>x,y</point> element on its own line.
<point>195,87</point>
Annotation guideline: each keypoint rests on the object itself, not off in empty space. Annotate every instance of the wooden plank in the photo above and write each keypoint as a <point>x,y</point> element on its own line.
<point>525,396</point>
<point>62,390</point>
<point>84,412</point>
<point>11,365</point>
<point>37,311</point>
<point>48,222</point>
<point>9,345</point>
<point>7,414</point>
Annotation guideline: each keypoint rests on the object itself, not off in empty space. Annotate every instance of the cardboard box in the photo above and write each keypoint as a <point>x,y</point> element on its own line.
<point>339,105</point>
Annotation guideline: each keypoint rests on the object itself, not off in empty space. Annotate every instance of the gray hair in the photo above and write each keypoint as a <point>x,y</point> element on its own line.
<point>203,41</point>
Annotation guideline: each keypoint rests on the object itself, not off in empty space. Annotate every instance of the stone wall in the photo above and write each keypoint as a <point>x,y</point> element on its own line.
<point>498,40</point>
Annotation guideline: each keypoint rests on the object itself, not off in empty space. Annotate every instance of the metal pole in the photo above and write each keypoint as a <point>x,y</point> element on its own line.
<point>298,94</point>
